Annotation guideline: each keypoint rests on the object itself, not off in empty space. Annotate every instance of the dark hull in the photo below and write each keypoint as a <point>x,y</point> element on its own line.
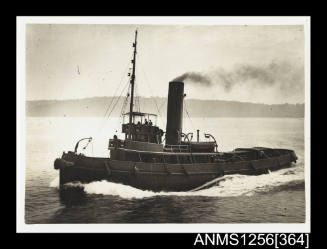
<point>159,176</point>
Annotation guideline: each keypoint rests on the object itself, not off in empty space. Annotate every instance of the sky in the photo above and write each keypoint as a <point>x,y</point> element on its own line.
<point>261,64</point>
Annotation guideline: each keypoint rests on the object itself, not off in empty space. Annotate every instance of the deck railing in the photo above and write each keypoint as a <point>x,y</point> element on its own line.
<point>176,148</point>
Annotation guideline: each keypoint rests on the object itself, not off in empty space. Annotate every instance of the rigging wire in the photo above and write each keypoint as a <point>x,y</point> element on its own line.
<point>137,98</point>
<point>125,102</point>
<point>138,101</point>
<point>112,99</point>
<point>162,104</point>
<point>188,114</point>
<point>117,100</point>
<point>117,89</point>
<point>120,120</point>
<point>146,80</point>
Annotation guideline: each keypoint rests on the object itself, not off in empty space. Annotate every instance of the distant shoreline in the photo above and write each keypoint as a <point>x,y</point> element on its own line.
<point>97,106</point>
<point>165,117</point>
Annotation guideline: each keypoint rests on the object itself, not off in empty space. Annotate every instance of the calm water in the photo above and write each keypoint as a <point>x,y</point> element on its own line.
<point>275,197</point>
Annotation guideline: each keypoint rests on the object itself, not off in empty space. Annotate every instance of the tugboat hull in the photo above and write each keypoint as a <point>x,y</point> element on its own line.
<point>160,176</point>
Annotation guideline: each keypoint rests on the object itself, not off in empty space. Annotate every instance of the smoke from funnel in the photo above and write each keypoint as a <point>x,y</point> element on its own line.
<point>194,77</point>
<point>289,76</point>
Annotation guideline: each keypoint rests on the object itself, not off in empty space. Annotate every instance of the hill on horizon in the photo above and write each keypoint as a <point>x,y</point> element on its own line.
<point>97,107</point>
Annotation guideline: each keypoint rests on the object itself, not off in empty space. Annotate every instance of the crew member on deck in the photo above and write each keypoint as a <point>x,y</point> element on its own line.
<point>115,141</point>
<point>146,122</point>
<point>150,122</point>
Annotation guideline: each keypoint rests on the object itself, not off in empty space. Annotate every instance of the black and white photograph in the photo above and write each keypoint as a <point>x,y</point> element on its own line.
<point>163,120</point>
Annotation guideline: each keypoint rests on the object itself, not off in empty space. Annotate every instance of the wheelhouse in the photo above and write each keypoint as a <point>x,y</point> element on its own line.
<point>143,127</point>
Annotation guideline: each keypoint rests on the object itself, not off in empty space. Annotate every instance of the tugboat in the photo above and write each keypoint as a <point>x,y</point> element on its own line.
<point>146,161</point>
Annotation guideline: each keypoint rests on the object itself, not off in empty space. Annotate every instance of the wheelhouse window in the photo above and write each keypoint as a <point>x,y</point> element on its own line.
<point>141,118</point>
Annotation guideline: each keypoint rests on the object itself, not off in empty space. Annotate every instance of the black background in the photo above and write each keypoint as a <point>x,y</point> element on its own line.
<point>128,240</point>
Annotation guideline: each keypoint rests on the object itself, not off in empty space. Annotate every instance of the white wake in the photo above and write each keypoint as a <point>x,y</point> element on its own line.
<point>228,186</point>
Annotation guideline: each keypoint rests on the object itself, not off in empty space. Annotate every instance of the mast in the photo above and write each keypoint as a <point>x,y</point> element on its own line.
<point>132,87</point>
